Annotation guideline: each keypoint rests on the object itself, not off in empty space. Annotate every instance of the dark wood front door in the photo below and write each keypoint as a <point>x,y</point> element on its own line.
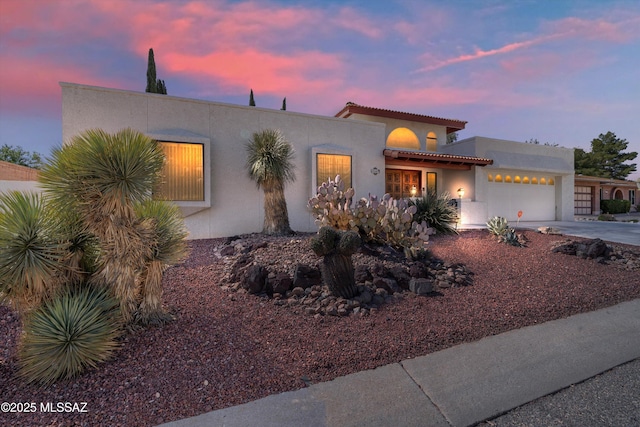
<point>403,183</point>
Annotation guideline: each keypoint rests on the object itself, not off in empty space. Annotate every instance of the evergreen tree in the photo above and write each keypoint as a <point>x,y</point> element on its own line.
<point>252,102</point>
<point>19,156</point>
<point>284,104</point>
<point>606,158</point>
<point>152,83</point>
<point>452,137</point>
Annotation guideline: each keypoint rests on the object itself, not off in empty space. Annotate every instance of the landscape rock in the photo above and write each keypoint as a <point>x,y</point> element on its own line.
<point>421,286</point>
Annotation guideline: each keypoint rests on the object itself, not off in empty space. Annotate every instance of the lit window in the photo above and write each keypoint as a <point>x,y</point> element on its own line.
<point>403,138</point>
<point>534,180</point>
<point>543,181</point>
<point>517,179</point>
<point>490,178</point>
<point>432,181</point>
<point>551,181</point>
<point>432,142</point>
<point>507,178</point>
<point>183,172</point>
<point>498,178</point>
<point>330,165</point>
<point>525,180</point>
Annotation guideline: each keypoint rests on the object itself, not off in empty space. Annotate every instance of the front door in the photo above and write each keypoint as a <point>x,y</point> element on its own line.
<point>403,183</point>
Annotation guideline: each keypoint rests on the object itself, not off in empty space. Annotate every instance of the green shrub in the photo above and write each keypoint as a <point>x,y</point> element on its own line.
<point>614,206</point>
<point>73,331</point>
<point>437,211</point>
<point>497,226</point>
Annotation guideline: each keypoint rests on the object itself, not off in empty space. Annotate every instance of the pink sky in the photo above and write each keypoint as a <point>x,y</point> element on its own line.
<point>561,73</point>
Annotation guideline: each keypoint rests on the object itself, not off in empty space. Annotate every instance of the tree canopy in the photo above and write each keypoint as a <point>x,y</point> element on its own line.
<point>606,158</point>
<point>154,85</point>
<point>19,156</point>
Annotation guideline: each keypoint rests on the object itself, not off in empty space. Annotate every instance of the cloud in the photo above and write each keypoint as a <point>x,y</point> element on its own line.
<point>567,29</point>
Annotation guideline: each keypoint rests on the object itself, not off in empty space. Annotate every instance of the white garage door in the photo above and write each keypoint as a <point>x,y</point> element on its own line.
<point>533,195</point>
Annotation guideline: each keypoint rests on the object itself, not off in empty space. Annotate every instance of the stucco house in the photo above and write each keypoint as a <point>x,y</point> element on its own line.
<point>375,150</point>
<point>590,190</point>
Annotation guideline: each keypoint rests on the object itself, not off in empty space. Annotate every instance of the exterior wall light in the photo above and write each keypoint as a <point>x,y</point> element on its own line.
<point>414,190</point>
<point>375,171</point>
<point>460,192</point>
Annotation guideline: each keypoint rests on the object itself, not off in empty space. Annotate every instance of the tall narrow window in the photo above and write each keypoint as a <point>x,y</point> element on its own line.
<point>183,172</point>
<point>432,142</point>
<point>632,197</point>
<point>330,165</point>
<point>432,181</point>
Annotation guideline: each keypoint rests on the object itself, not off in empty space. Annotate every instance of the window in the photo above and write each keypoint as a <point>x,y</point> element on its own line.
<point>432,181</point>
<point>330,165</point>
<point>632,197</point>
<point>432,142</point>
<point>183,172</point>
<point>403,138</point>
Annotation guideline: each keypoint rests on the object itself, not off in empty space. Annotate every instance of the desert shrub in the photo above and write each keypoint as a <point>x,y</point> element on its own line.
<point>387,221</point>
<point>497,225</point>
<point>614,206</point>
<point>437,211</point>
<point>73,331</point>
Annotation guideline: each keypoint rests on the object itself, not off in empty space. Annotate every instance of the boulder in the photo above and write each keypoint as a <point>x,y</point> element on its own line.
<point>255,279</point>
<point>421,286</point>
<point>305,276</point>
<point>281,283</point>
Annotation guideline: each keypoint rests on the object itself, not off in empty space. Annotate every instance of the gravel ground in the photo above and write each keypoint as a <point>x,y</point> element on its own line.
<point>226,348</point>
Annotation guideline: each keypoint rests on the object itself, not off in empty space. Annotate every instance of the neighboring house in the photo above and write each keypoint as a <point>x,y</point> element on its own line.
<point>589,190</point>
<point>374,150</point>
<point>17,177</point>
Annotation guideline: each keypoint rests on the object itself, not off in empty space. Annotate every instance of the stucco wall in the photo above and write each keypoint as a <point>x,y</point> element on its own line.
<point>510,157</point>
<point>235,205</point>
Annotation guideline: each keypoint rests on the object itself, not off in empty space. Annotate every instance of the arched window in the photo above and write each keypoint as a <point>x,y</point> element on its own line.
<point>507,178</point>
<point>534,180</point>
<point>403,138</point>
<point>498,178</point>
<point>432,142</point>
<point>517,179</point>
<point>543,181</point>
<point>490,177</point>
<point>525,180</point>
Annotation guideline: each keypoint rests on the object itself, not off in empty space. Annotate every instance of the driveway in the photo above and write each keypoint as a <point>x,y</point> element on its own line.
<point>587,227</point>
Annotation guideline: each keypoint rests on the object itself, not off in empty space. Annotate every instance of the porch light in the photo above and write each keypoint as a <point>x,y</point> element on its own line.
<point>414,190</point>
<point>460,192</point>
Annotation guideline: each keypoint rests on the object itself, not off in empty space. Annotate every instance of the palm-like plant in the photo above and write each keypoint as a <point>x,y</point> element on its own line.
<point>437,211</point>
<point>169,248</point>
<point>32,253</point>
<point>102,176</point>
<point>75,330</point>
<point>270,164</point>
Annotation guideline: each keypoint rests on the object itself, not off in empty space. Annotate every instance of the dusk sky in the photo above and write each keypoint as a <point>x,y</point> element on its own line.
<point>557,71</point>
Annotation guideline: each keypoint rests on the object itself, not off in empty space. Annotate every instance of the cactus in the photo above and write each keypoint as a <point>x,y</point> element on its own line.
<point>497,226</point>
<point>387,221</point>
<point>336,248</point>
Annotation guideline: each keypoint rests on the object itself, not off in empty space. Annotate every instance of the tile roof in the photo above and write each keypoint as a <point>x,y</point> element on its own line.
<point>448,159</point>
<point>350,108</point>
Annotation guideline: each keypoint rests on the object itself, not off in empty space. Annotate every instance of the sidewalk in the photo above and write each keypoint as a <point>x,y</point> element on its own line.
<point>459,386</point>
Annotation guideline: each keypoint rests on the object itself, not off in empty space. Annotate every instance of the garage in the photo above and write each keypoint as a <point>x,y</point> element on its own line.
<point>533,194</point>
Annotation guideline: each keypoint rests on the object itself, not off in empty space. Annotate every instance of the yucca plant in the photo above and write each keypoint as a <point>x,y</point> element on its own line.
<point>75,330</point>
<point>437,211</point>
<point>102,176</point>
<point>270,165</point>
<point>497,226</point>
<point>169,248</point>
<point>32,252</point>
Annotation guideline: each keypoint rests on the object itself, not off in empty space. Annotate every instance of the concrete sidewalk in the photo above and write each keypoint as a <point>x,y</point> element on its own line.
<point>459,386</point>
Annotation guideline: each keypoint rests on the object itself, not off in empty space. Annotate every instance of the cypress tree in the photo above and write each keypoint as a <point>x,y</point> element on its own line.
<point>284,104</point>
<point>152,84</point>
<point>252,102</point>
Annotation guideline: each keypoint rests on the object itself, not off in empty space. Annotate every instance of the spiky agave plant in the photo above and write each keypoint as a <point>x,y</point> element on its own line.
<point>68,334</point>
<point>102,176</point>
<point>437,211</point>
<point>169,248</point>
<point>270,165</point>
<point>497,226</point>
<point>32,253</point>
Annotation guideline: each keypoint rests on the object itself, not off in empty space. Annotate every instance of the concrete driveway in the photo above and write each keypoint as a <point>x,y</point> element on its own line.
<point>610,231</point>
